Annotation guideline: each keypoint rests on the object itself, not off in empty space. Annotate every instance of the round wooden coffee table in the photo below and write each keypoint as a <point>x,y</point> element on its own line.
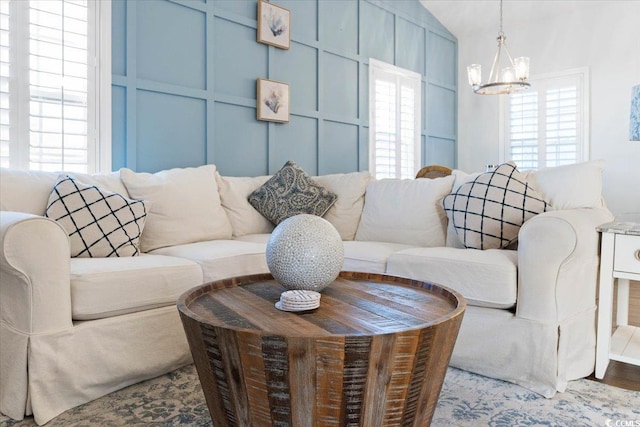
<point>374,353</point>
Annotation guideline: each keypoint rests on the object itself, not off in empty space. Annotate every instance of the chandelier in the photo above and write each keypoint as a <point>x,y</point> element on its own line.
<point>502,79</point>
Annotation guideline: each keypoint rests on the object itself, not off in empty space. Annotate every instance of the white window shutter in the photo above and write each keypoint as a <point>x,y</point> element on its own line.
<point>5,114</point>
<point>394,122</point>
<point>547,125</point>
<point>48,80</point>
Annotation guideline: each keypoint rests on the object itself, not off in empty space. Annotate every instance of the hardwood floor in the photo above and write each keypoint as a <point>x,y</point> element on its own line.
<point>621,375</point>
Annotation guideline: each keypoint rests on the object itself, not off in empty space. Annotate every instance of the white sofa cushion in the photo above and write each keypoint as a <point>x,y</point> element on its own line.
<point>28,191</point>
<point>405,211</point>
<point>262,238</point>
<point>485,278</point>
<point>25,191</point>
<point>107,181</point>
<point>234,194</point>
<point>345,213</point>
<point>184,206</point>
<point>107,287</point>
<point>571,186</point>
<point>221,259</point>
<point>99,223</point>
<point>487,211</point>
<point>369,257</point>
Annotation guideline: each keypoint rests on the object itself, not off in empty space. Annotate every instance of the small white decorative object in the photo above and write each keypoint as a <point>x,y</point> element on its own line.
<point>298,300</point>
<point>305,252</point>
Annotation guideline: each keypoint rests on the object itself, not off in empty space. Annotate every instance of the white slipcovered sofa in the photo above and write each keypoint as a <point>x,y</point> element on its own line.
<point>75,329</point>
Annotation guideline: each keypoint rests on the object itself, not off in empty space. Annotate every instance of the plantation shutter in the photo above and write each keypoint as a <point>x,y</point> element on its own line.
<point>546,125</point>
<point>562,126</point>
<point>5,118</point>
<point>48,84</point>
<point>523,129</point>
<point>394,121</point>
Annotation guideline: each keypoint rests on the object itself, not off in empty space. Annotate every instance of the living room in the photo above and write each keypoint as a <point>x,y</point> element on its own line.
<point>182,90</point>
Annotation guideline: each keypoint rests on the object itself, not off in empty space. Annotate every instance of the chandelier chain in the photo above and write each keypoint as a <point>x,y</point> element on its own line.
<point>501,33</point>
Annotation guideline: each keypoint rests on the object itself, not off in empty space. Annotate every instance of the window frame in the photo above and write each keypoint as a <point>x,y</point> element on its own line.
<point>98,86</point>
<point>582,113</point>
<point>376,66</point>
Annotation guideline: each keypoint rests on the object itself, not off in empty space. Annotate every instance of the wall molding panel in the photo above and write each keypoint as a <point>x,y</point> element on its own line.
<point>184,76</point>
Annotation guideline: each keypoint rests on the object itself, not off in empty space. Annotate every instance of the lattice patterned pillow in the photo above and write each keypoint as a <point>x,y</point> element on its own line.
<point>488,211</point>
<point>100,223</point>
<point>289,192</point>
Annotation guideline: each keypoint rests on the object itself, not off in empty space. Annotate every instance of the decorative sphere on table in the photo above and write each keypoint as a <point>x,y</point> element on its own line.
<point>305,252</point>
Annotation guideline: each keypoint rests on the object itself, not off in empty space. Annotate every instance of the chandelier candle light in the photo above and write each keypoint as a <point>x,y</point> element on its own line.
<point>502,80</point>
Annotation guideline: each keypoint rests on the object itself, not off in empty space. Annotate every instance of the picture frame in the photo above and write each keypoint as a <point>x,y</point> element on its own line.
<point>274,25</point>
<point>272,101</point>
<point>634,118</point>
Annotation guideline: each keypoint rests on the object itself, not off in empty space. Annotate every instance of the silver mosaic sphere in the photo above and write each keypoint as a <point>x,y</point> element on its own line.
<point>305,252</point>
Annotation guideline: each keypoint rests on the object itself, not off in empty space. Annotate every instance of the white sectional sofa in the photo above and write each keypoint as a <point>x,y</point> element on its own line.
<point>75,329</point>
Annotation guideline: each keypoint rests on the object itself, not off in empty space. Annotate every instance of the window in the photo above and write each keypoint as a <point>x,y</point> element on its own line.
<point>547,125</point>
<point>55,102</point>
<point>394,119</point>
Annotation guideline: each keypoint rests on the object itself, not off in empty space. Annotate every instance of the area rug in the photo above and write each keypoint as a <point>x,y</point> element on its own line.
<point>176,399</point>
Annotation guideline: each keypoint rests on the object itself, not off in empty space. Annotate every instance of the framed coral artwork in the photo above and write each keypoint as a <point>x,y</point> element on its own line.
<point>634,126</point>
<point>274,25</point>
<point>272,101</point>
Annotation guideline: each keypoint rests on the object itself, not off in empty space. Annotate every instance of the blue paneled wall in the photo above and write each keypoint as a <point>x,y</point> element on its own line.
<point>184,83</point>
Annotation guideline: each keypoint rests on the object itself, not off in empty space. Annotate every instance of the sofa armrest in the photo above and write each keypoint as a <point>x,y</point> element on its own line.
<point>558,264</point>
<point>35,292</point>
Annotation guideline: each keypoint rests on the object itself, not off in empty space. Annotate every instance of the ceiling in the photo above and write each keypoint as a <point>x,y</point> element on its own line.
<point>468,16</point>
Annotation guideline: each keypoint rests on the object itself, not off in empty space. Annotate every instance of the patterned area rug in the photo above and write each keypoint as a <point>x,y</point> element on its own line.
<point>176,399</point>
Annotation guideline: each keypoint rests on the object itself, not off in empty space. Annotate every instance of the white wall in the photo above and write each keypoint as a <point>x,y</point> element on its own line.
<point>605,37</point>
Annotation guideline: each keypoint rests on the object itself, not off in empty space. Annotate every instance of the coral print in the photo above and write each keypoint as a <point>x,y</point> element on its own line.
<point>274,25</point>
<point>275,22</point>
<point>634,127</point>
<point>273,101</point>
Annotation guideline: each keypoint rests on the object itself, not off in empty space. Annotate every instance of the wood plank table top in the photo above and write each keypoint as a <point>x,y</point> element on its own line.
<point>373,354</point>
<point>354,304</point>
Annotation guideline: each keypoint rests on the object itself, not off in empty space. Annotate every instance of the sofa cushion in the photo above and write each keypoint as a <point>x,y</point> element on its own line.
<point>289,192</point>
<point>486,278</point>
<point>345,213</point>
<point>405,211</point>
<point>28,191</point>
<point>108,287</point>
<point>571,186</point>
<point>25,191</point>
<point>107,181</point>
<point>184,206</point>
<point>234,193</point>
<point>369,257</point>
<point>487,211</point>
<point>221,259</point>
<point>99,223</point>
<point>262,238</point>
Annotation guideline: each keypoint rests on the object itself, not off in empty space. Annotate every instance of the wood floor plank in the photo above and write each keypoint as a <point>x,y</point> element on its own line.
<point>622,375</point>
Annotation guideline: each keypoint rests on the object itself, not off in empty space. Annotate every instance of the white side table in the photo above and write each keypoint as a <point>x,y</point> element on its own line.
<point>619,260</point>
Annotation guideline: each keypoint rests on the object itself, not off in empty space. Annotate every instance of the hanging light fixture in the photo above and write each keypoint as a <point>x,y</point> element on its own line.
<point>502,80</point>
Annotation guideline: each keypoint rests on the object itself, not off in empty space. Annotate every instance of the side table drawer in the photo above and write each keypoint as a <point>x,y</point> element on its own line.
<point>627,254</point>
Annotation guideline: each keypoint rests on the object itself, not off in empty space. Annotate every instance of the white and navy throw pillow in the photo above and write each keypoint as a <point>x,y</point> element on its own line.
<point>488,211</point>
<point>100,223</point>
<point>289,192</point>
